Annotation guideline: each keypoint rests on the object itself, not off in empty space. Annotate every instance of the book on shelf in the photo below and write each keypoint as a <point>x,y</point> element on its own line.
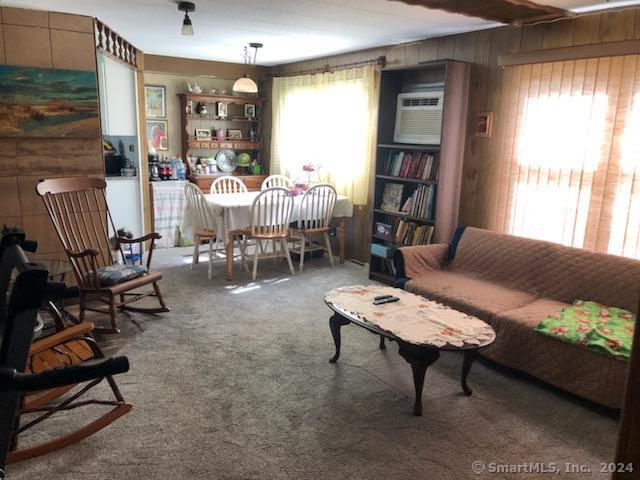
<point>420,203</point>
<point>412,233</point>
<point>391,197</point>
<point>416,165</point>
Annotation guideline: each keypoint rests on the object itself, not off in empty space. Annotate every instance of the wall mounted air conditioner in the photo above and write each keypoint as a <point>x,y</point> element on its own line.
<point>419,118</point>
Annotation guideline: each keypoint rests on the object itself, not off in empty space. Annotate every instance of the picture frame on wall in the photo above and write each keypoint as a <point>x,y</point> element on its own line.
<point>234,133</point>
<point>249,110</point>
<point>157,134</point>
<point>484,122</point>
<point>221,110</point>
<point>203,134</point>
<point>155,101</point>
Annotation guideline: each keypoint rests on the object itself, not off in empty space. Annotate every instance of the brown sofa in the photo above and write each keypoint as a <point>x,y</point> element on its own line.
<point>513,283</point>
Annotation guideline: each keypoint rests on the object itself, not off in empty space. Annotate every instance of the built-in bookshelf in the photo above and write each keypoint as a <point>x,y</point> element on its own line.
<point>417,186</point>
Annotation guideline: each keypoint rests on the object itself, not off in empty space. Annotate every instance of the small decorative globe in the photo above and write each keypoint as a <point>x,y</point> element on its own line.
<point>244,160</point>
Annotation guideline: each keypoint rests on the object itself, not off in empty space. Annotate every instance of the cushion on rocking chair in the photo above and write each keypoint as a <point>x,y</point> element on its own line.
<point>114,274</point>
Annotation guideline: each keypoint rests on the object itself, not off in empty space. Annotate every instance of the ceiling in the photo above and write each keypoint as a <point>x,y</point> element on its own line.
<point>291,30</point>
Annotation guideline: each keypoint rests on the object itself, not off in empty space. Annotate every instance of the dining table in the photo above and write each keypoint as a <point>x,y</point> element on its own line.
<point>232,212</point>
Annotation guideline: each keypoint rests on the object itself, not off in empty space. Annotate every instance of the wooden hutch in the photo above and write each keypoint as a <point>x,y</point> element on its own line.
<point>235,119</point>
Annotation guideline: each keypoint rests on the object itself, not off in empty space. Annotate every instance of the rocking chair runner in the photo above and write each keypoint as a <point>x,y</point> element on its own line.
<point>80,215</point>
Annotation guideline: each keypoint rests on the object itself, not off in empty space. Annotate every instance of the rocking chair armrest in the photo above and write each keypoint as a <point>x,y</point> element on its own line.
<point>144,238</point>
<point>92,252</point>
<point>62,336</point>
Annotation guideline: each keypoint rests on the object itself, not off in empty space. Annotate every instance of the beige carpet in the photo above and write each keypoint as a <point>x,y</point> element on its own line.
<point>235,383</point>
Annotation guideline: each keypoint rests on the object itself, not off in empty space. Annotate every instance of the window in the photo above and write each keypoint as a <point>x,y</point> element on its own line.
<point>569,154</point>
<point>328,120</point>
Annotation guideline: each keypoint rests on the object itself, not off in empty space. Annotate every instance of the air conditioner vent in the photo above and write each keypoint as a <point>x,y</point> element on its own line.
<point>419,118</point>
<point>421,102</point>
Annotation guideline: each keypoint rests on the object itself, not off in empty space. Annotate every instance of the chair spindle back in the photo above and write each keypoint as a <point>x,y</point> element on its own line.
<point>80,215</point>
<point>228,184</point>
<point>271,213</point>
<point>276,181</point>
<point>197,203</point>
<point>316,207</point>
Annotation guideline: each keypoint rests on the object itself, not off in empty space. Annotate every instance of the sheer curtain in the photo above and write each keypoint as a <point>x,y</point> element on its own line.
<point>568,153</point>
<point>327,119</point>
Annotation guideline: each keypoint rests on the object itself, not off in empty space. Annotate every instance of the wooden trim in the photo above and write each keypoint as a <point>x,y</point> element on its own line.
<point>109,41</point>
<point>628,450</point>
<point>610,49</point>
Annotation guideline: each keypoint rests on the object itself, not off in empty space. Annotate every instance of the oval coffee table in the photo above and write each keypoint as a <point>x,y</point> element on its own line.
<point>420,327</point>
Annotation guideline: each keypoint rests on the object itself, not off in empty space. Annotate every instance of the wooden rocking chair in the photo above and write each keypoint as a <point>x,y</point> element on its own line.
<point>51,366</point>
<point>71,346</point>
<point>80,215</point>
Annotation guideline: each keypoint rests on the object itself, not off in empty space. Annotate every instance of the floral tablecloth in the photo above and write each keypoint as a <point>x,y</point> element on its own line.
<point>413,318</point>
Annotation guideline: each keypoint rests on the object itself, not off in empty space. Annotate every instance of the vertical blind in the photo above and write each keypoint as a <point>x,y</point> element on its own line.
<point>568,154</point>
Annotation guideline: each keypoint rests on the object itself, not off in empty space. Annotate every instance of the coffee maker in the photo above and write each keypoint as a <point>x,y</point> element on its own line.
<point>154,167</point>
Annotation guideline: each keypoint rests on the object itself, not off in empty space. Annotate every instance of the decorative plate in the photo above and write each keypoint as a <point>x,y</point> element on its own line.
<point>226,160</point>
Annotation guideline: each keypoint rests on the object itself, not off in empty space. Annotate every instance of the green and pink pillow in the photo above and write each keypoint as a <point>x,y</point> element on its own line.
<point>608,330</point>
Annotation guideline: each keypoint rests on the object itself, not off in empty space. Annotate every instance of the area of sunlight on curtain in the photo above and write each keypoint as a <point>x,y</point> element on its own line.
<point>568,153</point>
<point>328,119</point>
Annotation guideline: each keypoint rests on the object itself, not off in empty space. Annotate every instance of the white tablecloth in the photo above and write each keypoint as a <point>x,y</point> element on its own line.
<point>233,211</point>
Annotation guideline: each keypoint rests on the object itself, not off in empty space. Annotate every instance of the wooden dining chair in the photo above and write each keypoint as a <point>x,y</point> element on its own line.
<point>227,184</point>
<point>204,225</point>
<point>81,218</point>
<point>273,181</point>
<point>270,217</point>
<point>314,218</point>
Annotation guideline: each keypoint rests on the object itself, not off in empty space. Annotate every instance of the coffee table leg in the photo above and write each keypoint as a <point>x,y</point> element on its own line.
<point>382,345</point>
<point>420,359</point>
<point>335,323</point>
<point>467,361</point>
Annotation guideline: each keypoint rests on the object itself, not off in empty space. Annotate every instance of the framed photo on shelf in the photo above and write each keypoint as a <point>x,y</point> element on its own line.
<point>157,134</point>
<point>155,102</point>
<point>484,122</point>
<point>249,110</point>
<point>391,197</point>
<point>221,110</point>
<point>234,133</point>
<point>203,134</point>
<point>383,229</point>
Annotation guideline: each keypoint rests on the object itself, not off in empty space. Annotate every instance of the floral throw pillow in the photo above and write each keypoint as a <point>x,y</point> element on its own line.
<point>608,330</point>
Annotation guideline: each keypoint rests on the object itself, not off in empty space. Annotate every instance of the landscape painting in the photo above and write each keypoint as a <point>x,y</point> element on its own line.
<point>44,102</point>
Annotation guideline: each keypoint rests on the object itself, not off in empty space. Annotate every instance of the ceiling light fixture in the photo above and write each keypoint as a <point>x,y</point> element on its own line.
<point>186,7</point>
<point>245,84</point>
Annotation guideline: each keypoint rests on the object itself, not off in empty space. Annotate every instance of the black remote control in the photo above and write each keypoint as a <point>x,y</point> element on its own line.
<point>385,300</point>
<point>382,297</point>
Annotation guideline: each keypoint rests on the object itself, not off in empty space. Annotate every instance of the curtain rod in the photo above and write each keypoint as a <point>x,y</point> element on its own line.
<point>380,61</point>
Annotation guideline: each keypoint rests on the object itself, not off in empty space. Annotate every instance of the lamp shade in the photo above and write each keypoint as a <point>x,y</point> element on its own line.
<point>245,85</point>
<point>187,28</point>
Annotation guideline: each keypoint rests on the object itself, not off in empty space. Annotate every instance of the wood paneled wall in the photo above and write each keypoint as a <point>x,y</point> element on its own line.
<point>51,40</point>
<point>481,49</point>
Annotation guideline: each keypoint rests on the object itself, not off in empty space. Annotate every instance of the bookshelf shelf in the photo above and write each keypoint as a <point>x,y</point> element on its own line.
<point>405,146</point>
<point>405,179</point>
<point>404,216</point>
<point>417,187</point>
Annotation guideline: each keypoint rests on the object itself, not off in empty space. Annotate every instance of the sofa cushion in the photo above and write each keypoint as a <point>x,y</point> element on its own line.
<point>569,274</point>
<point>468,293</point>
<point>591,375</point>
<point>549,270</point>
